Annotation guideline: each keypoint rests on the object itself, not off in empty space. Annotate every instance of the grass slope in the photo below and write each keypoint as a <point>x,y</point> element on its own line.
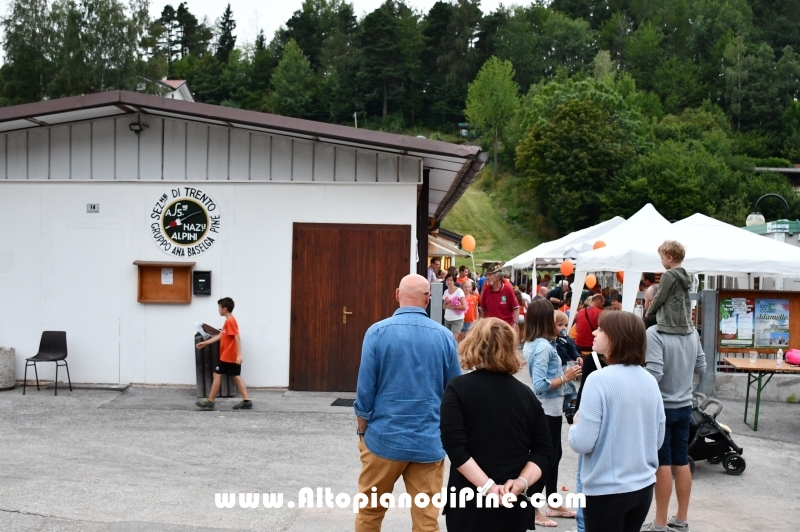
<point>496,239</point>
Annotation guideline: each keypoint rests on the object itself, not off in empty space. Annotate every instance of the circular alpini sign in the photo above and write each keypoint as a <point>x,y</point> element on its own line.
<point>185,222</point>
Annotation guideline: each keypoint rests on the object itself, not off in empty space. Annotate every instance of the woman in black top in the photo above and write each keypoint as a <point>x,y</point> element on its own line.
<point>494,431</point>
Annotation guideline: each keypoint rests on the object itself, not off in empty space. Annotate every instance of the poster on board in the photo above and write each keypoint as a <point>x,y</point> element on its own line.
<point>736,319</point>
<point>772,323</point>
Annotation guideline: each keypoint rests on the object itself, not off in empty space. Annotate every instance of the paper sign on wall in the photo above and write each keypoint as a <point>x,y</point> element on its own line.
<point>167,276</point>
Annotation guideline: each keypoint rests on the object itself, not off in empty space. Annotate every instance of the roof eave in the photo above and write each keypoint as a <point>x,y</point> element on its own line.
<point>465,178</point>
<point>288,125</point>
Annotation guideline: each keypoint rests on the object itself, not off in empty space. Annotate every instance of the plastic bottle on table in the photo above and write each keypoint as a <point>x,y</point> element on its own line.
<point>779,358</point>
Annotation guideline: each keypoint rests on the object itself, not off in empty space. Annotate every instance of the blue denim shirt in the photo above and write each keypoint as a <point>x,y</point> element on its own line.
<point>544,365</point>
<point>406,362</point>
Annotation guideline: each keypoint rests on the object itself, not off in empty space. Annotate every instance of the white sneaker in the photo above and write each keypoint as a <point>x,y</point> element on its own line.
<point>673,525</point>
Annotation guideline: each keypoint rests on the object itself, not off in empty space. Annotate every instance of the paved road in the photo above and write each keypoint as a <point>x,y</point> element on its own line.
<point>145,460</point>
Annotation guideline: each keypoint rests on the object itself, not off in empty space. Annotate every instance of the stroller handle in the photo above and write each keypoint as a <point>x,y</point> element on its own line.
<point>701,397</point>
<point>717,407</point>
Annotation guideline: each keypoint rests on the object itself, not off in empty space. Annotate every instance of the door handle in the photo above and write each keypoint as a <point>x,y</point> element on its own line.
<point>345,314</point>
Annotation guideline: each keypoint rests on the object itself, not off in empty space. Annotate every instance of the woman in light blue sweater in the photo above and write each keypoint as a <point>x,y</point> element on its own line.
<point>619,428</point>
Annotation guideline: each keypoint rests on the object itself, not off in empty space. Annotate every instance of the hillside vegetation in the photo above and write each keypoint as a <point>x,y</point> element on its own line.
<point>496,238</point>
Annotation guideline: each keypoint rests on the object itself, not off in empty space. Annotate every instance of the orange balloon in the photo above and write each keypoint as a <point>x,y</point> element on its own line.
<point>591,280</point>
<point>599,244</point>
<point>567,268</point>
<point>468,243</point>
<point>621,276</point>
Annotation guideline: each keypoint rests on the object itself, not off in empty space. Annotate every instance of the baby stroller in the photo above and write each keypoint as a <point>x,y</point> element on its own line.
<point>710,440</point>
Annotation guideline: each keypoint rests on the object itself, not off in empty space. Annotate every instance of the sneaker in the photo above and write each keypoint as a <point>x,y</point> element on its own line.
<point>652,527</point>
<point>205,404</point>
<point>244,405</point>
<point>674,526</point>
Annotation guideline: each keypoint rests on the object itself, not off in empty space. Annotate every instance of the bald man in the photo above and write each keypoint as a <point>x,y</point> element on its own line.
<point>649,295</point>
<point>406,362</point>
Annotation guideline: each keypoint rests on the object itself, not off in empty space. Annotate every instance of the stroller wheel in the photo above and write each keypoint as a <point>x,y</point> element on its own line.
<point>734,464</point>
<point>691,465</point>
<point>716,459</point>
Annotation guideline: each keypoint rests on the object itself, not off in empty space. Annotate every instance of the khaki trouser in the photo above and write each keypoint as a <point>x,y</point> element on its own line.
<point>382,474</point>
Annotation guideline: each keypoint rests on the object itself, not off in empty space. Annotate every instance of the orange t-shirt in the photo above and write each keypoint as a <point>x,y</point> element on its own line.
<point>227,340</point>
<point>461,280</point>
<point>472,308</point>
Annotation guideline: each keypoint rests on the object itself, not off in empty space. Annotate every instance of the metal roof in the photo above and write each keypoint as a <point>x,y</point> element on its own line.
<point>777,226</point>
<point>440,247</point>
<point>780,170</point>
<point>452,167</point>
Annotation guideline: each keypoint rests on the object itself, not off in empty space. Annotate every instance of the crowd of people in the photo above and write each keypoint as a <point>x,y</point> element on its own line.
<point>623,382</point>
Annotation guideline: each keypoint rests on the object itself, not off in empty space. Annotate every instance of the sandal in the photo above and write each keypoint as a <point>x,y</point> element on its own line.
<point>546,523</point>
<point>565,515</point>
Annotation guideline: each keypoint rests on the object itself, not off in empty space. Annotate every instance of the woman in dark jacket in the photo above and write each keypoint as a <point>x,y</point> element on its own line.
<point>494,431</point>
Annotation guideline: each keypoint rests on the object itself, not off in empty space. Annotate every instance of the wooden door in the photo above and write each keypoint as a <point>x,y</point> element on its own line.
<point>338,266</point>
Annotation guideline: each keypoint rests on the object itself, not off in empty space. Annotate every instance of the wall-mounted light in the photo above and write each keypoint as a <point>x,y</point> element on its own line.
<point>137,127</point>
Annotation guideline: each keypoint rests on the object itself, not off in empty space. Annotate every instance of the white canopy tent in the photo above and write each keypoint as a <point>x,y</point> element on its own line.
<point>553,248</point>
<point>645,221</point>
<point>712,247</point>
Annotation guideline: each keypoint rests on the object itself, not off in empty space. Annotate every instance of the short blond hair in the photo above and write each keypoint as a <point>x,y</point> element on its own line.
<point>674,249</point>
<point>561,317</point>
<point>490,344</point>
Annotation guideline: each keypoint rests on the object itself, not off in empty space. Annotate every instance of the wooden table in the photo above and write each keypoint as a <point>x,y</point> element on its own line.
<point>759,368</point>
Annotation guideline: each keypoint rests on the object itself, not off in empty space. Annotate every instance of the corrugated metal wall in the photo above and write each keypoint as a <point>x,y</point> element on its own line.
<point>177,150</point>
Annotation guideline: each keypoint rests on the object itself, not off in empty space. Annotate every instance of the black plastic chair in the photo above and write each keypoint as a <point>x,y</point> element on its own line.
<point>52,348</point>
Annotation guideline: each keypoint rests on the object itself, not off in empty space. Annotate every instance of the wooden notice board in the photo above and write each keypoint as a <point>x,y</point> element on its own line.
<point>164,282</point>
<point>749,297</point>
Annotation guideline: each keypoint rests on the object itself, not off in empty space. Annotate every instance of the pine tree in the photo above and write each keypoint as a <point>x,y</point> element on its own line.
<point>293,82</point>
<point>226,41</point>
<point>28,68</point>
<point>194,36</point>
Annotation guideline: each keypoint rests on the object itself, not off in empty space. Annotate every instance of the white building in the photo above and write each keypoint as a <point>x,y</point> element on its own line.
<point>177,89</point>
<point>295,220</point>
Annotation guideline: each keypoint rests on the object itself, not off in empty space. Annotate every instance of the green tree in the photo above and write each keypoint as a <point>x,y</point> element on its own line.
<point>226,41</point>
<point>791,124</point>
<point>518,40</point>
<point>390,46</point>
<point>614,34</point>
<point>643,54</point>
<point>449,58</point>
<point>736,73</point>
<point>493,98</point>
<point>578,135</point>
<point>28,69</point>
<point>567,43</point>
<point>678,178</point>
<point>293,82</point>
<point>679,84</point>
<point>194,37</point>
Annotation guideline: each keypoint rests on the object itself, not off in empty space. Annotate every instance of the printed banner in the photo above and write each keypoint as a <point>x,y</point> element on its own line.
<point>772,323</point>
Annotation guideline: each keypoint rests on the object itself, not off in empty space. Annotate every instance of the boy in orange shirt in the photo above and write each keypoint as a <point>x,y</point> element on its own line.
<point>473,300</point>
<point>230,358</point>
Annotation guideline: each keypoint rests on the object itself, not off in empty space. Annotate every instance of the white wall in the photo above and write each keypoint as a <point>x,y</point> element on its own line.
<point>64,269</point>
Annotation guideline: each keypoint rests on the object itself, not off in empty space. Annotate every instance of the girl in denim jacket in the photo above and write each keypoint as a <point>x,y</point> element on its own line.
<point>547,380</point>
